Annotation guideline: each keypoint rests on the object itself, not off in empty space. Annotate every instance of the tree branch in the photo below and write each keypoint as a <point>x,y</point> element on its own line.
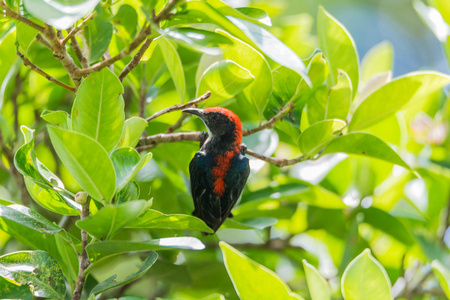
<point>12,14</point>
<point>165,13</point>
<point>180,106</point>
<point>142,94</point>
<point>279,162</point>
<point>74,31</point>
<point>38,70</point>
<point>76,48</point>
<point>269,124</point>
<point>135,60</point>
<point>43,41</point>
<point>83,258</point>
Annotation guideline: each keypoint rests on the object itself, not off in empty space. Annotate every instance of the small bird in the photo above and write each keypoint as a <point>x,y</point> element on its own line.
<point>219,170</point>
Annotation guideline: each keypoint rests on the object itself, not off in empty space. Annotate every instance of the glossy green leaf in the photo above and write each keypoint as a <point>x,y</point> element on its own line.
<point>25,36</point>
<point>127,163</point>
<point>365,279</point>
<point>201,40</point>
<point>174,64</point>
<point>37,269</point>
<point>339,98</point>
<point>224,79</point>
<point>77,151</point>
<point>285,85</point>
<point>98,250</point>
<point>58,118</point>
<point>132,131</point>
<point>127,18</point>
<point>98,35</point>
<point>40,182</point>
<point>318,70</point>
<point>155,219</point>
<point>129,192</point>
<point>339,48</point>
<point>316,136</point>
<point>58,13</point>
<point>409,89</point>
<point>272,47</point>
<point>379,59</point>
<point>28,218</point>
<point>251,14</point>
<point>112,283</point>
<point>443,275</point>
<point>317,285</point>
<point>111,219</point>
<point>247,57</point>
<point>252,280</point>
<point>365,144</point>
<point>255,14</point>
<point>98,110</point>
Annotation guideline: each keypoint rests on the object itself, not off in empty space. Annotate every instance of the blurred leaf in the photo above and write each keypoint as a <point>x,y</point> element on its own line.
<point>252,280</point>
<point>174,64</point>
<point>132,131</point>
<point>111,219</point>
<point>25,36</point>
<point>378,59</point>
<point>29,218</point>
<point>98,250</point>
<point>444,8</point>
<point>339,98</point>
<point>443,275</point>
<point>316,136</point>
<point>247,57</point>
<point>127,163</point>
<point>128,18</point>
<point>155,219</point>
<point>318,70</point>
<point>251,14</point>
<point>365,279</point>
<point>98,35</point>
<point>224,79</point>
<point>253,223</point>
<point>77,152</point>
<point>285,85</point>
<point>434,19</point>
<point>37,269</point>
<point>366,144</point>
<point>387,100</point>
<point>98,109</point>
<point>58,13</point>
<point>13,291</point>
<point>58,118</point>
<point>317,285</point>
<point>256,14</point>
<point>339,48</point>
<point>112,283</point>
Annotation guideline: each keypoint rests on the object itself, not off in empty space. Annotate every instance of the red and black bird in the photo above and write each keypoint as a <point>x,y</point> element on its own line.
<point>219,170</point>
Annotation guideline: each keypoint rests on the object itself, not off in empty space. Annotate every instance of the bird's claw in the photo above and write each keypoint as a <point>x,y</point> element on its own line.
<point>243,149</point>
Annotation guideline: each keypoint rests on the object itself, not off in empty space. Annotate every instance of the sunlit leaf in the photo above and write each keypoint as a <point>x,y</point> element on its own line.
<point>58,118</point>
<point>132,131</point>
<point>98,35</point>
<point>443,275</point>
<point>127,163</point>
<point>317,285</point>
<point>174,64</point>
<point>29,218</point>
<point>378,59</point>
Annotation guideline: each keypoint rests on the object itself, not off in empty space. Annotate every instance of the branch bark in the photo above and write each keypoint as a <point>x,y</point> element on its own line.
<point>135,60</point>
<point>12,14</point>
<point>83,258</point>
<point>74,31</point>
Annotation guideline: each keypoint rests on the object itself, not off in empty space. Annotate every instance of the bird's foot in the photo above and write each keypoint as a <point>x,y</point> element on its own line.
<point>243,149</point>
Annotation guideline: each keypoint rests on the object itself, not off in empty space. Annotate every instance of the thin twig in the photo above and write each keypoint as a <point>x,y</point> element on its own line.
<point>135,60</point>
<point>38,70</point>
<point>279,162</point>
<point>74,31</point>
<point>83,258</point>
<point>177,124</point>
<point>76,48</point>
<point>12,14</point>
<point>142,93</point>
<point>271,122</point>
<point>15,94</point>
<point>43,41</point>
<point>180,106</point>
<point>164,14</point>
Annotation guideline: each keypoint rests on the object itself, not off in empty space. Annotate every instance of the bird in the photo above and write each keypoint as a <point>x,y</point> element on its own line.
<point>219,170</point>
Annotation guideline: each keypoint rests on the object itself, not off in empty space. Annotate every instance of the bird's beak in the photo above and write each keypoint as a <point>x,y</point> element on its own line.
<point>195,111</point>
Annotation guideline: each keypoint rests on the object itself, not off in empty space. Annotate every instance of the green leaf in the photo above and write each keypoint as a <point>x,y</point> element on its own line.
<point>360,143</point>
<point>111,219</point>
<point>112,283</point>
<point>77,152</point>
<point>132,131</point>
<point>365,279</point>
<point>28,218</point>
<point>272,47</point>
<point>98,35</point>
<point>253,223</point>
<point>59,13</point>
<point>410,89</point>
<point>129,192</point>
<point>128,18</point>
<point>252,280</point>
<point>25,36</point>
<point>98,250</point>
<point>224,79</point>
<point>37,269</point>
<point>255,14</point>
<point>251,14</point>
<point>247,57</point>
<point>12,291</point>
<point>39,181</point>
<point>58,118</point>
<point>174,64</point>
<point>443,275</point>
<point>339,48</point>
<point>339,98</point>
<point>378,59</point>
<point>155,219</point>
<point>316,136</point>
<point>201,40</point>
<point>127,163</point>
<point>317,285</point>
<point>98,110</point>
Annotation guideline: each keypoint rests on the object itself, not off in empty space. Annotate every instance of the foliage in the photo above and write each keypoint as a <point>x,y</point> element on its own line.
<point>87,90</point>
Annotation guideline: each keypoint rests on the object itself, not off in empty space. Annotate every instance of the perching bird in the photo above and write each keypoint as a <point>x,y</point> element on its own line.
<point>220,169</point>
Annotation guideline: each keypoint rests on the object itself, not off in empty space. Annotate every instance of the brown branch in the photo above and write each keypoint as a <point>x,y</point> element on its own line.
<point>38,70</point>
<point>142,94</point>
<point>135,60</point>
<point>180,106</point>
<point>12,14</point>
<point>76,48</point>
<point>83,258</point>
<point>165,13</point>
<point>43,41</point>
<point>74,31</point>
<point>271,122</point>
<point>151,141</point>
<point>279,162</point>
